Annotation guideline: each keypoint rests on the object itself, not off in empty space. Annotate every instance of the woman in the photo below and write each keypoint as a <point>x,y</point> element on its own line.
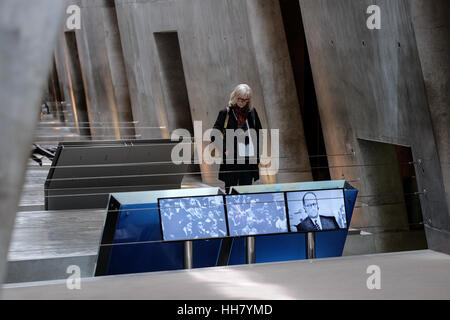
<point>239,114</point>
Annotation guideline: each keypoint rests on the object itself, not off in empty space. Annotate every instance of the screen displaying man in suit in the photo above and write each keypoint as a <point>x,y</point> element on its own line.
<point>315,221</point>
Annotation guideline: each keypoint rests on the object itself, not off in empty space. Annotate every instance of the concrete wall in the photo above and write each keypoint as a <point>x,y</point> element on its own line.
<point>278,88</point>
<point>432,29</point>
<point>222,44</point>
<point>49,268</point>
<point>370,86</point>
<point>102,70</point>
<point>28,32</point>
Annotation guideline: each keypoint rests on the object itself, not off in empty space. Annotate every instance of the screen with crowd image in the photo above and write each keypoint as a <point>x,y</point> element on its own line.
<point>256,214</point>
<point>192,218</point>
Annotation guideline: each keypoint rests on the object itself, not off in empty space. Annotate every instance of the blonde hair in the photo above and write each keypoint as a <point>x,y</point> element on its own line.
<point>240,91</point>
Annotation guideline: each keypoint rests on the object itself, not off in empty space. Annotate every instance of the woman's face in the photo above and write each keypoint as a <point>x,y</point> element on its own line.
<point>242,101</point>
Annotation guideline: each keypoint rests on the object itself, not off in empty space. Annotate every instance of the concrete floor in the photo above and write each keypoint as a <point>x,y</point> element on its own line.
<point>54,234</point>
<point>421,274</point>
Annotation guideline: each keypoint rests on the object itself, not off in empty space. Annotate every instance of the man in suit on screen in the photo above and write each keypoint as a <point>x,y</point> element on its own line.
<point>315,221</point>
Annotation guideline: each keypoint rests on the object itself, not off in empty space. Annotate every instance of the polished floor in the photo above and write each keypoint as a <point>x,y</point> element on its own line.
<point>421,274</point>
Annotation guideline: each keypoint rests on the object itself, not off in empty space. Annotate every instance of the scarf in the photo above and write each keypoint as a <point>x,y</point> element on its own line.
<point>241,114</point>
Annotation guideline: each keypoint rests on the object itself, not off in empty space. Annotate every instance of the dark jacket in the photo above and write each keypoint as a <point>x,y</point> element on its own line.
<point>254,123</point>
<point>328,223</point>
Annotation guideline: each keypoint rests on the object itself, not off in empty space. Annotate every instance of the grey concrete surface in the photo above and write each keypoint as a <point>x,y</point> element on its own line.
<point>49,268</point>
<point>360,243</point>
<point>102,70</point>
<point>370,86</point>
<point>62,66</point>
<point>408,275</point>
<point>432,29</point>
<point>75,83</point>
<point>278,87</point>
<point>27,33</point>
<point>50,234</point>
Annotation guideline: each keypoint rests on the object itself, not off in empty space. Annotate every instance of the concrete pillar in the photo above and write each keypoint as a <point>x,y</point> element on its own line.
<point>55,91</point>
<point>370,86</point>
<point>142,68</point>
<point>103,71</point>
<point>432,29</point>
<point>279,91</point>
<point>27,32</point>
<point>61,61</point>
<point>75,84</point>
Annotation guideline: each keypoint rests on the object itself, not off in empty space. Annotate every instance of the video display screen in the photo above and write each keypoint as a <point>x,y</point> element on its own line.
<point>316,210</point>
<point>192,218</point>
<point>256,214</point>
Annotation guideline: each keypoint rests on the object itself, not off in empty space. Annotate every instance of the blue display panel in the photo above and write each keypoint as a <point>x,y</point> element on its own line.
<point>132,240</point>
<point>256,214</point>
<point>316,210</point>
<point>292,246</point>
<point>192,218</point>
<point>271,248</point>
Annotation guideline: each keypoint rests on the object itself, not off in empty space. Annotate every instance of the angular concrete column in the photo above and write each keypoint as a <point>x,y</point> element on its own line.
<point>78,104</point>
<point>279,91</point>
<point>103,71</point>
<point>432,29</point>
<point>140,56</point>
<point>61,61</point>
<point>370,86</point>
<point>27,33</point>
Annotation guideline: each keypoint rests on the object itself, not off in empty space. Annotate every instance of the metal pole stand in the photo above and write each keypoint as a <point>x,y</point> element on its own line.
<point>311,245</point>
<point>188,255</point>
<point>251,250</point>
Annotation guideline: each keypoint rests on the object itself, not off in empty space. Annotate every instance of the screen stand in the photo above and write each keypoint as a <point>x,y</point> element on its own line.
<point>188,255</point>
<point>251,250</point>
<point>311,245</point>
<point>225,251</point>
